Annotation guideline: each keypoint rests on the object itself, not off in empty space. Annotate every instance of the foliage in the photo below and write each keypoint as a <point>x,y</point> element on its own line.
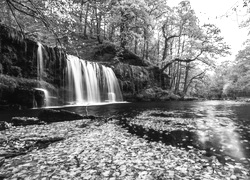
<point>7,82</point>
<point>10,83</point>
<point>170,38</point>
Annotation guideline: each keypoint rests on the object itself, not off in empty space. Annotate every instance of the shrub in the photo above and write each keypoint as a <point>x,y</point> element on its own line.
<point>10,83</point>
<point>7,82</point>
<point>15,71</point>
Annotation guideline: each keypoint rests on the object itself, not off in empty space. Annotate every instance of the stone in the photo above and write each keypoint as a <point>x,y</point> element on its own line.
<point>39,97</point>
<point>2,160</point>
<point>24,121</point>
<point>24,97</point>
<point>4,125</point>
<point>49,115</point>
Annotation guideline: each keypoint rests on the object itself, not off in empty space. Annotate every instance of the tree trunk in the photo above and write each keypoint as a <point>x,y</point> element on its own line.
<point>80,18</point>
<point>172,84</point>
<point>86,20</point>
<point>158,48</point>
<point>178,74</point>
<point>164,54</point>
<point>135,48</point>
<point>123,30</point>
<point>104,27</point>
<point>136,41</point>
<point>186,78</point>
<point>98,18</point>
<point>147,49</point>
<point>178,77</point>
<point>92,25</point>
<point>111,33</point>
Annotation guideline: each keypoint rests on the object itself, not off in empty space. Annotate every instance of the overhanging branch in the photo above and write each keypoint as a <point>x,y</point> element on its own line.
<point>181,60</point>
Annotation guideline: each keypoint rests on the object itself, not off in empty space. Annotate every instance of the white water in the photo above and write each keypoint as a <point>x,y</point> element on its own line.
<point>46,94</point>
<point>40,72</point>
<point>90,73</point>
<point>113,88</point>
<point>90,83</point>
<point>39,61</point>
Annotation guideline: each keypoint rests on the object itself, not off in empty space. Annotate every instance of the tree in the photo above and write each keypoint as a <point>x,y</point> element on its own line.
<point>238,79</point>
<point>187,44</point>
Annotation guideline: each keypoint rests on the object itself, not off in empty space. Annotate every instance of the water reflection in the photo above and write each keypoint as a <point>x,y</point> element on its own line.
<point>219,128</point>
<point>220,136</point>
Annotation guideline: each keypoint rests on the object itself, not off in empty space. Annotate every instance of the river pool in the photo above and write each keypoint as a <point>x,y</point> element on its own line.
<point>223,127</point>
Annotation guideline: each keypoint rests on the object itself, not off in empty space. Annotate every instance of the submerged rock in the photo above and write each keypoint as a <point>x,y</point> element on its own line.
<point>39,97</point>
<point>24,121</point>
<point>49,115</point>
<point>4,125</point>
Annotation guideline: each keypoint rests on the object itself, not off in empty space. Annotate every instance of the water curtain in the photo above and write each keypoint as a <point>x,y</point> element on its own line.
<point>40,72</point>
<point>89,82</point>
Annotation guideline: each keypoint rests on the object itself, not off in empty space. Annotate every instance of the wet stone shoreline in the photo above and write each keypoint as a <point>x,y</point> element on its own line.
<point>115,149</point>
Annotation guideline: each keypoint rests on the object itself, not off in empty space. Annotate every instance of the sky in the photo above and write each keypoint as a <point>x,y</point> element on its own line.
<point>223,14</point>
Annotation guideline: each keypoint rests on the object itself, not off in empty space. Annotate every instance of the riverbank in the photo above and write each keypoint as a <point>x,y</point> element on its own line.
<point>105,150</point>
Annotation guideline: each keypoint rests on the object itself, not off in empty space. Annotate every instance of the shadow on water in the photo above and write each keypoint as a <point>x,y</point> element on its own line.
<point>189,140</point>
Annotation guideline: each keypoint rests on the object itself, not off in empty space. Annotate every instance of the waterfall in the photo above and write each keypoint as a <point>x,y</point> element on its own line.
<point>39,61</point>
<point>90,83</point>
<point>112,86</point>
<point>46,94</point>
<point>40,72</point>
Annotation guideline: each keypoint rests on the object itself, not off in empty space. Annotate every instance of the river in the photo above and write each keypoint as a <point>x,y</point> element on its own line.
<point>224,125</point>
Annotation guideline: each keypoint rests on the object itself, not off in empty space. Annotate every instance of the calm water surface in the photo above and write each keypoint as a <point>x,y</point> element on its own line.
<point>223,127</point>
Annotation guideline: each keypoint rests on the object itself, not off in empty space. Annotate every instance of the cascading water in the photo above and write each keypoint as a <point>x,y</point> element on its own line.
<point>90,83</point>
<point>40,72</point>
<point>112,86</point>
<point>39,61</point>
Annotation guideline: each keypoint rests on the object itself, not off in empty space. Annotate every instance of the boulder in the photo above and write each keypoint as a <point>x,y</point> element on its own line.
<point>24,97</point>
<point>24,121</point>
<point>49,115</point>
<point>188,98</point>
<point>39,96</point>
<point>109,52</point>
<point>4,125</point>
<point>2,160</point>
<point>156,94</point>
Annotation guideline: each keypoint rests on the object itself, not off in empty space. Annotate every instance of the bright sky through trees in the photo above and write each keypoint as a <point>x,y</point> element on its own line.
<point>225,14</point>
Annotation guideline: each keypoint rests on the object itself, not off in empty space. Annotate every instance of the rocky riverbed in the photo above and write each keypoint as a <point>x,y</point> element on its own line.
<point>103,149</point>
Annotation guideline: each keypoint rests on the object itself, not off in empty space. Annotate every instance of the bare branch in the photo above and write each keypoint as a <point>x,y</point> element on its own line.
<point>182,60</point>
<point>13,13</point>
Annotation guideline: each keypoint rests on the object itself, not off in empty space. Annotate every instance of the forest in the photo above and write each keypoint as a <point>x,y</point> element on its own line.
<point>171,38</point>
<point>120,89</point>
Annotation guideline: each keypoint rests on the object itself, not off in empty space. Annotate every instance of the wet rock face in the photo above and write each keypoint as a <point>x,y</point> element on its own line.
<point>19,59</point>
<point>135,75</point>
<point>24,97</point>
<point>132,78</point>
<point>140,83</point>
<point>109,52</point>
<point>19,56</point>
<point>17,53</point>
<point>39,97</point>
